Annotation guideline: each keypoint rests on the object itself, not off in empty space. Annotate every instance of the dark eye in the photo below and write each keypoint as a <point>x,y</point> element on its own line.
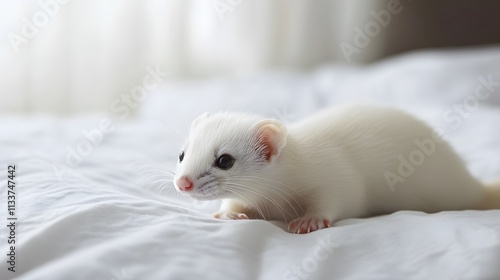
<point>181,156</point>
<point>224,162</point>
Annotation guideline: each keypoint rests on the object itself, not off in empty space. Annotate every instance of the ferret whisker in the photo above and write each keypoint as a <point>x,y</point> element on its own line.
<point>286,201</point>
<point>277,191</point>
<point>150,175</point>
<point>169,189</point>
<point>154,176</point>
<point>157,179</point>
<point>161,180</point>
<point>169,171</point>
<point>183,119</point>
<point>270,199</point>
<point>242,187</point>
<point>268,180</point>
<point>150,184</point>
<point>148,171</point>
<point>180,137</point>
<point>151,169</point>
<point>166,190</point>
<point>162,189</point>
<point>252,203</point>
<point>169,182</point>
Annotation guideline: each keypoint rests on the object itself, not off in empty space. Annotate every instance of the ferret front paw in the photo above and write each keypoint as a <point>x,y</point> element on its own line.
<point>230,216</point>
<point>307,224</point>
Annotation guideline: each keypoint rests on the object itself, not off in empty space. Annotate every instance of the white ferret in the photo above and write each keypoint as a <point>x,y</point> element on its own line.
<point>353,161</point>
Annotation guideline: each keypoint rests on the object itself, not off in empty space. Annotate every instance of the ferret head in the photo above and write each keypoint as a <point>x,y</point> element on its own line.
<point>225,153</point>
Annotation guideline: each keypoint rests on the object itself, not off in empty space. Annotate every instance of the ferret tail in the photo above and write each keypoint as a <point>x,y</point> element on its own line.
<point>492,196</point>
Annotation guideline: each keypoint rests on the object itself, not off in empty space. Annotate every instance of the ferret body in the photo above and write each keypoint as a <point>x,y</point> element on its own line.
<point>348,162</point>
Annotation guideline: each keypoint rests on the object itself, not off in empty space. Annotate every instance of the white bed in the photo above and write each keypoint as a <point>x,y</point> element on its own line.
<point>97,220</point>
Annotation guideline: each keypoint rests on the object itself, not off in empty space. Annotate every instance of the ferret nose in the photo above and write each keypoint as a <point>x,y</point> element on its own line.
<point>185,184</point>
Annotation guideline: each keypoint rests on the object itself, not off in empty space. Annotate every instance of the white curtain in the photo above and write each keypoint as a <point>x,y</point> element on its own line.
<point>82,54</point>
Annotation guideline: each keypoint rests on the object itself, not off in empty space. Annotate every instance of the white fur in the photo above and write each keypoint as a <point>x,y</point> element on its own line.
<point>334,164</point>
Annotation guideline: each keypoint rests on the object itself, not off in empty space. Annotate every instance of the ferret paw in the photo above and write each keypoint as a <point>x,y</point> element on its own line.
<point>230,216</point>
<point>308,224</point>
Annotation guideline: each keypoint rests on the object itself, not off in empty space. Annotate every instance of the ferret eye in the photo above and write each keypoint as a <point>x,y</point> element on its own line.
<point>224,162</point>
<point>181,156</point>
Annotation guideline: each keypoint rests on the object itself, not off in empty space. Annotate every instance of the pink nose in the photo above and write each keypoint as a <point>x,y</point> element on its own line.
<point>185,184</point>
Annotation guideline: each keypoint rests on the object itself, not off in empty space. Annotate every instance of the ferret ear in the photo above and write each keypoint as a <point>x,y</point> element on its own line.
<point>271,138</point>
<point>200,118</point>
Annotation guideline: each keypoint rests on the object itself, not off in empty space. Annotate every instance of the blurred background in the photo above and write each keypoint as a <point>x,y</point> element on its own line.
<point>70,57</point>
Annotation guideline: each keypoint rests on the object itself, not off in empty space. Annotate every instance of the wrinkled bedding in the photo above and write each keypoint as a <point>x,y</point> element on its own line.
<point>108,211</point>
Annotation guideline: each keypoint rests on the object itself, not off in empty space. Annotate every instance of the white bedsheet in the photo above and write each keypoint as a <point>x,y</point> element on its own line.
<point>96,220</point>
